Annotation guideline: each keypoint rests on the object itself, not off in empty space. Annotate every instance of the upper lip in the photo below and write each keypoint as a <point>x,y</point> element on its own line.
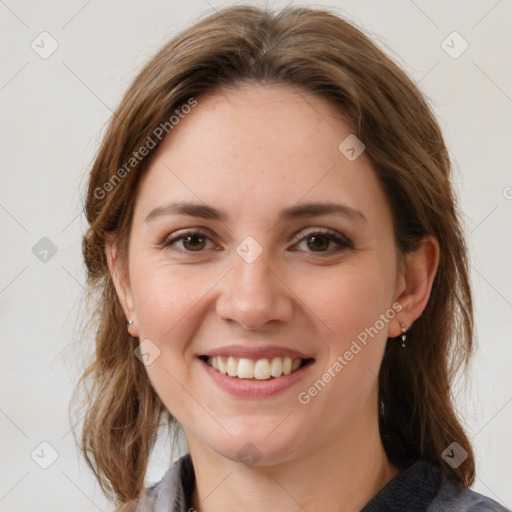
<point>241,351</point>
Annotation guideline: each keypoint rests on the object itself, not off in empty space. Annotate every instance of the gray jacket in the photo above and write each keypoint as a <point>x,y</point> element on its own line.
<point>419,488</point>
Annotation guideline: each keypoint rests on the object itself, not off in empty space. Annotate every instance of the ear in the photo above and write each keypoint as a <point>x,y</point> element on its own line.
<point>415,283</point>
<point>122,285</point>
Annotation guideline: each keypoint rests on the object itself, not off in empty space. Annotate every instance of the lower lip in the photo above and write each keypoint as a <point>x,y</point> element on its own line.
<point>253,388</point>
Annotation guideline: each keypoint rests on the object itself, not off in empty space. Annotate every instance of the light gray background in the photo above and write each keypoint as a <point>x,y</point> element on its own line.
<point>54,111</point>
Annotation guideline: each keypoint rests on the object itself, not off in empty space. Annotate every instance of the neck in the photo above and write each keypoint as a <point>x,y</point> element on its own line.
<point>340,474</point>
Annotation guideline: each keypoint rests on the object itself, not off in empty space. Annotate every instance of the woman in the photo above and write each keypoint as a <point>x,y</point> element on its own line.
<point>282,273</point>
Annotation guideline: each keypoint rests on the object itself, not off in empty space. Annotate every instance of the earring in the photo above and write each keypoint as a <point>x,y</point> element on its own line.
<point>404,335</point>
<point>129,322</point>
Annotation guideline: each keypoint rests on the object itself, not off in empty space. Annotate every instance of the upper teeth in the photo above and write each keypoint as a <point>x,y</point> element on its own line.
<point>248,369</point>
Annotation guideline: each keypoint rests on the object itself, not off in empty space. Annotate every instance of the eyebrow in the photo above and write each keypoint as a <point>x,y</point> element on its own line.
<point>294,212</point>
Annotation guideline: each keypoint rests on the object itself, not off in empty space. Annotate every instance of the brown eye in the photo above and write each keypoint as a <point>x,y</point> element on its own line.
<point>318,243</point>
<point>193,243</point>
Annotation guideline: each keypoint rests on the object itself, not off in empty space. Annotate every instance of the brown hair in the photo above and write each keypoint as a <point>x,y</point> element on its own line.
<point>318,52</point>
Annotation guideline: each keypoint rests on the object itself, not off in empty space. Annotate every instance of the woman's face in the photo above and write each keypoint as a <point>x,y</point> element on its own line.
<point>228,258</point>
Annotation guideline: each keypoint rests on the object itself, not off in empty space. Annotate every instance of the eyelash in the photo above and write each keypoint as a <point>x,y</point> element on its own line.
<point>342,241</point>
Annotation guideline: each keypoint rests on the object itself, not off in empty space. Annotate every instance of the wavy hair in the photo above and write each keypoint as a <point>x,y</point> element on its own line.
<point>318,52</point>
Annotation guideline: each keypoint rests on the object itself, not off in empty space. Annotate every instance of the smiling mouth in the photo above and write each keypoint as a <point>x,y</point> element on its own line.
<point>261,369</point>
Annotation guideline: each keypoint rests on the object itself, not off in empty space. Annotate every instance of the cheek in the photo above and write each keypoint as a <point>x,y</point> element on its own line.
<point>165,297</point>
<point>353,311</point>
<point>348,300</point>
<point>167,300</point>
<point>354,336</point>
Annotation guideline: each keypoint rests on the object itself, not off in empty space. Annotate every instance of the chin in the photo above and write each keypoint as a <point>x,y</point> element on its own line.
<point>257,447</point>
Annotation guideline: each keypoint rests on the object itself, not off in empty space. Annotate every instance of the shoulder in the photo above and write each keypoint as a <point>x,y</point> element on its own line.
<point>423,487</point>
<point>172,492</point>
<point>453,495</point>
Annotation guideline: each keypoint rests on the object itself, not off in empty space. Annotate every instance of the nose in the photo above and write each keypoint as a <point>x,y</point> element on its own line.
<point>253,295</point>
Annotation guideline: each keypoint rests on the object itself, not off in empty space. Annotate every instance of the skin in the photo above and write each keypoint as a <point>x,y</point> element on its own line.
<point>252,152</point>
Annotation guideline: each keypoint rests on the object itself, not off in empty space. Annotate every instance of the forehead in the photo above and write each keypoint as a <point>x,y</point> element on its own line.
<point>256,149</point>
